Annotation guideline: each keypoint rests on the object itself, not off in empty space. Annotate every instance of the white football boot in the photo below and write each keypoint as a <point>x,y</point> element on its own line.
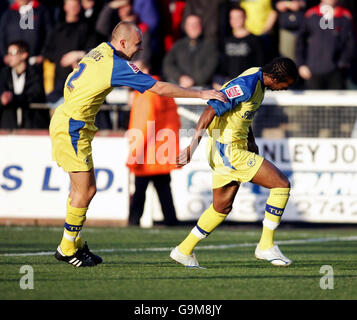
<point>189,261</point>
<point>273,255</point>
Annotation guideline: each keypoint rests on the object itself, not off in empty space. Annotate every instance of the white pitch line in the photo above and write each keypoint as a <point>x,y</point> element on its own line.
<point>208,247</point>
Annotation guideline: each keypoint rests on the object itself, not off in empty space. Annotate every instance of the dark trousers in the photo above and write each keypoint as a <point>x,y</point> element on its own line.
<point>335,80</point>
<point>162,186</point>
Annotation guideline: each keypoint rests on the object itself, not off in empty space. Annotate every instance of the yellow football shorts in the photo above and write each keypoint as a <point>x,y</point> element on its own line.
<point>71,142</point>
<point>232,162</point>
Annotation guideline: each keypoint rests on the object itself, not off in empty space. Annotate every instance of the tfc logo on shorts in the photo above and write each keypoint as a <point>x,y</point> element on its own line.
<point>234,92</point>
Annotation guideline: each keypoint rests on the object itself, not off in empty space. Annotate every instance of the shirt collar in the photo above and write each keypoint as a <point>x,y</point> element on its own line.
<point>260,72</point>
<point>115,50</point>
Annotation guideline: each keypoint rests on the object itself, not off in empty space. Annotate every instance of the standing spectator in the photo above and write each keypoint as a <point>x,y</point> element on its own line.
<point>67,44</point>
<point>122,10</point>
<point>20,85</point>
<point>261,16</point>
<point>325,46</point>
<point>290,17</point>
<point>241,50</point>
<point>91,10</point>
<point>157,119</point>
<point>148,13</point>
<point>28,21</point>
<point>3,6</point>
<point>261,19</point>
<point>209,11</point>
<point>172,15</point>
<point>192,60</point>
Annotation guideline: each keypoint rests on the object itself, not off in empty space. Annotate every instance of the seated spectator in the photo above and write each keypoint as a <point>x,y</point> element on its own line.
<point>28,21</point>
<point>21,85</point>
<point>240,51</point>
<point>325,46</point>
<point>67,44</point>
<point>290,17</point>
<point>192,60</point>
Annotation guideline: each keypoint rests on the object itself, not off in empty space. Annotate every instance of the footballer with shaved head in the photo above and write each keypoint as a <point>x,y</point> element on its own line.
<point>72,126</point>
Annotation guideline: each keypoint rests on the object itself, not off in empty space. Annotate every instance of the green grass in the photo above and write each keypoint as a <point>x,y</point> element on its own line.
<point>149,274</point>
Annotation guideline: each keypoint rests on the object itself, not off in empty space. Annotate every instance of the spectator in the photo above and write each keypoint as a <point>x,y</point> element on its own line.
<point>28,21</point>
<point>122,10</point>
<point>261,19</point>
<point>241,50</point>
<point>153,158</point>
<point>290,17</point>
<point>325,46</point>
<point>192,60</point>
<point>3,6</point>
<point>67,44</point>
<point>209,11</point>
<point>91,10</point>
<point>20,85</point>
<point>261,16</point>
<point>172,15</point>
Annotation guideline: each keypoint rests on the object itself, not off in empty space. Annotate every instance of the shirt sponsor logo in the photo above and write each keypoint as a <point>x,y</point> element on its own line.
<point>133,67</point>
<point>234,92</point>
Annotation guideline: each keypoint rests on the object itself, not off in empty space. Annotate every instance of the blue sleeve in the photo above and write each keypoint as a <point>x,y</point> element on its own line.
<point>128,75</point>
<point>238,90</point>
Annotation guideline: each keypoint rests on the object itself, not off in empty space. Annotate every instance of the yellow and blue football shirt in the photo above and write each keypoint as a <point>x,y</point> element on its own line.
<point>72,126</point>
<point>228,131</point>
<point>99,71</point>
<point>245,95</point>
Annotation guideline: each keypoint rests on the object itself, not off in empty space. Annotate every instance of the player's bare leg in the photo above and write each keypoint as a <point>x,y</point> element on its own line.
<point>83,189</point>
<point>223,198</point>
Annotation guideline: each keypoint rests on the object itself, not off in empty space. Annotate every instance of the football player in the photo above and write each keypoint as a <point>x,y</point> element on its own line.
<point>72,126</point>
<point>234,158</point>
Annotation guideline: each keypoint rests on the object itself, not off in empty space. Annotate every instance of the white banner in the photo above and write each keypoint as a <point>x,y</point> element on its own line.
<point>323,174</point>
<point>33,186</point>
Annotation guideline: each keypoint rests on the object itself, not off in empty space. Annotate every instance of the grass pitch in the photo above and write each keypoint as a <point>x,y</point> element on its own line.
<point>137,265</point>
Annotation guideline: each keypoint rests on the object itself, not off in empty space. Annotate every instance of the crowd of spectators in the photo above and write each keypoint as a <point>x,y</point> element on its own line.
<point>189,42</point>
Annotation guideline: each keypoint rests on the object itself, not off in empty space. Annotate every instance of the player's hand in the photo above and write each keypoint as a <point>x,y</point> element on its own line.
<point>213,94</point>
<point>184,157</point>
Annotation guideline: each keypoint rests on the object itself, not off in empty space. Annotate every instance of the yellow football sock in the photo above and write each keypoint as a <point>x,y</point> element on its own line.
<point>274,209</point>
<point>78,242</point>
<point>208,221</point>
<point>75,219</point>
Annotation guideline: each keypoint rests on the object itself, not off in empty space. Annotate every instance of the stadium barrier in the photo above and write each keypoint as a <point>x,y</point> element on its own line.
<point>322,170</point>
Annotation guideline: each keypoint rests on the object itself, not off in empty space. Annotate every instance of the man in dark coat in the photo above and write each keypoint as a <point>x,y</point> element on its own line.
<point>21,85</point>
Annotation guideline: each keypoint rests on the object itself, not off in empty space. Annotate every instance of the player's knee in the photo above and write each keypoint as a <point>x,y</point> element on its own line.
<point>91,192</point>
<point>224,208</point>
<point>285,183</point>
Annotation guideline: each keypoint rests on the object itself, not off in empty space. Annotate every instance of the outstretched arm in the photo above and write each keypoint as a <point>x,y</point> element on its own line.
<point>205,120</point>
<point>172,90</point>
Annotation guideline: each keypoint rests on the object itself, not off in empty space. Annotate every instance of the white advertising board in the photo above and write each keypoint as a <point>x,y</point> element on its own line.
<point>33,186</point>
<point>323,174</point>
